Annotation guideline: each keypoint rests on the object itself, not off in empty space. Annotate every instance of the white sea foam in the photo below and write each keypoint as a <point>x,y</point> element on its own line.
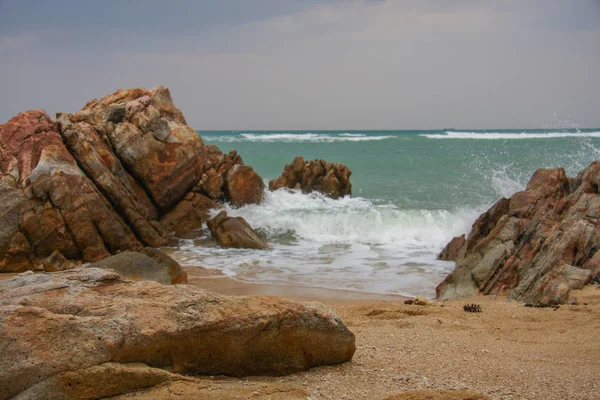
<point>297,137</point>
<point>348,243</point>
<point>509,136</point>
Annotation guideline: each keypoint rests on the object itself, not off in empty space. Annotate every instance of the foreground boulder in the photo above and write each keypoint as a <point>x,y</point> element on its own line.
<point>234,232</point>
<point>150,265</point>
<point>536,246</point>
<point>75,323</point>
<point>330,179</point>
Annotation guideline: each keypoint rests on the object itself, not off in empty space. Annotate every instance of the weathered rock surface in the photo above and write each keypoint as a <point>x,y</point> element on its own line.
<point>234,232</point>
<point>102,166</point>
<point>243,186</point>
<point>149,136</point>
<point>139,381</point>
<point>537,246</point>
<point>72,326</point>
<point>59,208</point>
<point>150,265</point>
<point>330,179</point>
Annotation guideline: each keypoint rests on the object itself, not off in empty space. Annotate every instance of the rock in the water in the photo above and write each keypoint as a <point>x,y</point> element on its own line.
<point>60,209</point>
<point>537,246</point>
<point>243,186</point>
<point>234,232</point>
<point>330,179</point>
<point>153,265</point>
<point>60,326</point>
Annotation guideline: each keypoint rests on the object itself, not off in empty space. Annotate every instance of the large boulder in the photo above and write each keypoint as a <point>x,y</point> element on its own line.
<point>330,179</point>
<point>149,265</point>
<point>234,232</point>
<point>70,326</point>
<point>59,208</point>
<point>536,246</point>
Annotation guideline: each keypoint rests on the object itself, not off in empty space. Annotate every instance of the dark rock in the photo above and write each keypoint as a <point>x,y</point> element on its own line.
<point>234,232</point>
<point>330,179</point>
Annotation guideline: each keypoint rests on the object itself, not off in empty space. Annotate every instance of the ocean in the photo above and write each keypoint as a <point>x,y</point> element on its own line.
<point>412,191</point>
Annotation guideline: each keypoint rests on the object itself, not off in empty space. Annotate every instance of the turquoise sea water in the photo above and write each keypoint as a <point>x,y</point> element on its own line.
<point>412,192</point>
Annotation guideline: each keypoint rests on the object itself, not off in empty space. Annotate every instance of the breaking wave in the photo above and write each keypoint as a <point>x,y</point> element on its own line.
<point>510,136</point>
<point>297,137</point>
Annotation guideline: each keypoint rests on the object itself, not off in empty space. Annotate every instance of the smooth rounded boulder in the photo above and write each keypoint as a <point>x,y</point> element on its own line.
<point>52,324</point>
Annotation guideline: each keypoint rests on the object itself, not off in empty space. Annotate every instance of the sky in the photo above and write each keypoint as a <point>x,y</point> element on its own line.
<point>308,64</point>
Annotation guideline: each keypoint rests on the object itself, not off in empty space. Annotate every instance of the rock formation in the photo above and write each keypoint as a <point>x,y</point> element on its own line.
<point>91,328</point>
<point>121,174</point>
<point>536,246</point>
<point>234,232</point>
<point>330,179</point>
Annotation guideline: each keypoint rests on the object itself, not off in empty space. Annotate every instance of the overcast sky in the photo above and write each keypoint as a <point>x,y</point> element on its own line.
<point>307,64</point>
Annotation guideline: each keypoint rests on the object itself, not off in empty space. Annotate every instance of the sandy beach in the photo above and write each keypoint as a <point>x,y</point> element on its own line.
<point>507,351</point>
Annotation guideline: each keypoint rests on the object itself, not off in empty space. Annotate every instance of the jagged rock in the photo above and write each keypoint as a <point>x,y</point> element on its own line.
<point>450,252</point>
<point>60,326</point>
<point>234,232</point>
<point>149,136</point>
<point>59,207</point>
<point>152,265</point>
<point>97,182</point>
<point>537,246</point>
<point>330,179</point>
<point>188,215</point>
<point>102,166</point>
<point>243,186</point>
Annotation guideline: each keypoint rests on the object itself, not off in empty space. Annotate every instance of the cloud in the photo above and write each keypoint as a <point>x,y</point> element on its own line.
<point>336,65</point>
